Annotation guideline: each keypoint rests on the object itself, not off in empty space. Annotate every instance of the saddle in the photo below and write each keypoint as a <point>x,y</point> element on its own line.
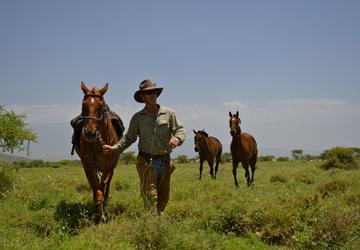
<point>78,122</point>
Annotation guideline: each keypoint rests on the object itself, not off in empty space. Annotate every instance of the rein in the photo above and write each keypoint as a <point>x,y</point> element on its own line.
<point>93,117</point>
<point>86,117</point>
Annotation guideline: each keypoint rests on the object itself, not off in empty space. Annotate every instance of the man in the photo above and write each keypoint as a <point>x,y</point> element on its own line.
<point>159,132</point>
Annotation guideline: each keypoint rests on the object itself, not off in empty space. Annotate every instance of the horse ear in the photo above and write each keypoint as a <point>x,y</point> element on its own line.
<point>104,89</point>
<point>237,114</point>
<point>194,131</point>
<point>84,88</point>
<point>230,114</point>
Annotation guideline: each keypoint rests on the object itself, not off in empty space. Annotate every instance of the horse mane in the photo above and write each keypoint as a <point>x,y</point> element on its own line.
<point>203,133</point>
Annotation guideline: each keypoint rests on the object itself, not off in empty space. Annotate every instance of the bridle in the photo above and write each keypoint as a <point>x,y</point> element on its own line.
<point>199,142</point>
<point>237,129</point>
<point>98,119</point>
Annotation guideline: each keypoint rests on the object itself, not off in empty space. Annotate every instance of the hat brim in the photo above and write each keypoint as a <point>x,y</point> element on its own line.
<point>137,95</point>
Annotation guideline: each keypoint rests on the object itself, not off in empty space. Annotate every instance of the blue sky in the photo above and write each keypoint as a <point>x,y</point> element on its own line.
<point>291,68</point>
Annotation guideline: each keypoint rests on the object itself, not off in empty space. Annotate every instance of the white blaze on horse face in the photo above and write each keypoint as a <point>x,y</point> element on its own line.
<point>92,100</point>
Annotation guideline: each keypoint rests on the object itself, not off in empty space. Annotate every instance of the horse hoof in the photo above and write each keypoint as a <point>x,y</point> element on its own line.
<point>99,214</point>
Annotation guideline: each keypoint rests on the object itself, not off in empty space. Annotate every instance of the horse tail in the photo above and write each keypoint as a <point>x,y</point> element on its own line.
<point>255,146</point>
<point>219,154</point>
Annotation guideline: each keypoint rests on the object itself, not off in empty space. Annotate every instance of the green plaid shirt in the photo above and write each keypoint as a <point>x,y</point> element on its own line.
<point>154,132</point>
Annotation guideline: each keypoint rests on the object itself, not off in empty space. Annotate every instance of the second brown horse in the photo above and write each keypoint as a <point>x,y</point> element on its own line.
<point>209,148</point>
<point>243,149</point>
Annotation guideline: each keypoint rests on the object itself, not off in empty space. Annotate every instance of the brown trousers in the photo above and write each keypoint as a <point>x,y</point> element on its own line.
<point>152,195</point>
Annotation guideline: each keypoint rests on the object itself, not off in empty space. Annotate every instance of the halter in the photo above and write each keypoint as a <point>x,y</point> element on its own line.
<point>94,117</point>
<point>238,131</point>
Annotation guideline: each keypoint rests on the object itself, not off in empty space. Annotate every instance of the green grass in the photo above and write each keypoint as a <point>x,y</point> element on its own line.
<point>293,205</point>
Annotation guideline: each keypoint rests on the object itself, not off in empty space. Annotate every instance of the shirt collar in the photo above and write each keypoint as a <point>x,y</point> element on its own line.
<point>161,111</point>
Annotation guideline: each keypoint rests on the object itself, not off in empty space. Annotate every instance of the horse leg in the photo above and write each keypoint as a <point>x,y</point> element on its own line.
<point>252,165</point>
<point>235,165</point>
<point>211,165</point>
<point>247,173</point>
<point>217,165</point>
<point>107,186</point>
<point>201,167</point>
<point>98,197</point>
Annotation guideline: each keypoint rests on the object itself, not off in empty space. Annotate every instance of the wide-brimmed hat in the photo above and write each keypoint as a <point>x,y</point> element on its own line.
<point>146,86</point>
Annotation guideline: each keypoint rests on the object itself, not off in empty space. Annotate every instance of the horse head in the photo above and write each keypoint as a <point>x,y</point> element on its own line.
<point>198,138</point>
<point>234,124</point>
<point>93,106</point>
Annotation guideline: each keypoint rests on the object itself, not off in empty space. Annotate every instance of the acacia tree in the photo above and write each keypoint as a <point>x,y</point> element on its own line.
<point>13,131</point>
<point>296,154</point>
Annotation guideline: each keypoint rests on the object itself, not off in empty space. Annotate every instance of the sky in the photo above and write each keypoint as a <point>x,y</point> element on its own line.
<point>291,68</point>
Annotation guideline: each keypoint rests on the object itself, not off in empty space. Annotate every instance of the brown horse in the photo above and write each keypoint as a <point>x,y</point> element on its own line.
<point>209,148</point>
<point>243,149</point>
<point>97,131</point>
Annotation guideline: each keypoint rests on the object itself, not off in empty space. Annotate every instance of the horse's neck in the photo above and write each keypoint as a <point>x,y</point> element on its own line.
<point>237,140</point>
<point>105,133</point>
<point>205,144</point>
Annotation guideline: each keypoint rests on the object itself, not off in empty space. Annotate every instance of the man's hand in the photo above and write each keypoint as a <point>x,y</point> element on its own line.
<point>173,142</point>
<point>107,149</point>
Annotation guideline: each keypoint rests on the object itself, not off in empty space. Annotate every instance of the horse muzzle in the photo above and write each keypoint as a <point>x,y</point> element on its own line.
<point>90,135</point>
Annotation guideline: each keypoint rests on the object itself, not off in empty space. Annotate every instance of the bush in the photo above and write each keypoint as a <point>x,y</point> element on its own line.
<point>305,178</point>
<point>30,164</point>
<point>340,157</point>
<point>278,178</point>
<point>266,158</point>
<point>334,228</point>
<point>6,183</point>
<point>283,158</point>
<point>273,224</point>
<point>353,199</point>
<point>182,159</point>
<point>228,221</point>
<point>332,187</point>
<point>128,158</point>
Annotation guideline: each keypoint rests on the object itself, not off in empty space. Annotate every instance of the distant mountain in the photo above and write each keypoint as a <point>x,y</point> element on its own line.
<point>5,157</point>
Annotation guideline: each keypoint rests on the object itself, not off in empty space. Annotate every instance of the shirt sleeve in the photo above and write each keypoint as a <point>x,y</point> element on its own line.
<point>177,129</point>
<point>130,137</point>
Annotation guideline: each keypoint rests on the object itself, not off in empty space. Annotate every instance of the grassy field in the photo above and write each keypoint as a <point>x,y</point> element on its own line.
<point>292,205</point>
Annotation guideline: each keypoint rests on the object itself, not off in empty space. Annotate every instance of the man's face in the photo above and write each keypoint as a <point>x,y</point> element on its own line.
<point>149,97</point>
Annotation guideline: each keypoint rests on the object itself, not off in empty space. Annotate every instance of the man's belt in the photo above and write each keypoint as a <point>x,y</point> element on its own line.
<point>154,157</point>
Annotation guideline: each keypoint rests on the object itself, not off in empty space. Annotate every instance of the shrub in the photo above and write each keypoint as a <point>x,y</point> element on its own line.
<point>266,158</point>
<point>310,200</point>
<point>83,188</point>
<point>340,157</point>
<point>6,182</point>
<point>335,228</point>
<point>278,178</point>
<point>332,187</point>
<point>182,159</point>
<point>128,158</point>
<point>353,199</point>
<point>273,224</point>
<point>283,158</point>
<point>228,222</point>
<point>43,225</point>
<point>121,186</point>
<point>149,233</point>
<point>305,178</point>
<point>30,164</point>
